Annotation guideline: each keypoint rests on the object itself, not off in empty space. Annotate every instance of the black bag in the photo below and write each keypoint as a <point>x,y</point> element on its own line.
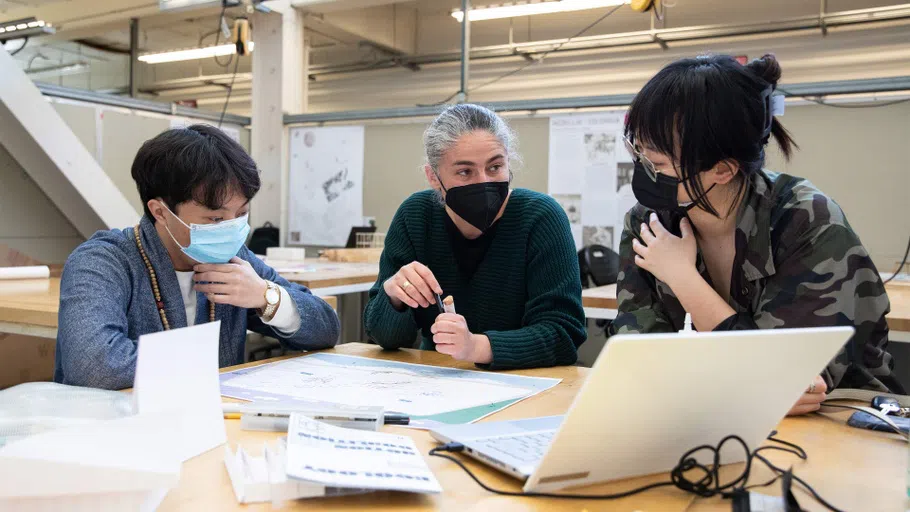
<point>599,265</point>
<point>263,238</point>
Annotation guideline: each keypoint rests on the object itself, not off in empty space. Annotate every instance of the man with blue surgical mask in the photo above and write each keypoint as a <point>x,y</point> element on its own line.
<point>185,263</point>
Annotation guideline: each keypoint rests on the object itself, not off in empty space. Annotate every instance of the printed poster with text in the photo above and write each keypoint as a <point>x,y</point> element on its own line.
<point>590,175</point>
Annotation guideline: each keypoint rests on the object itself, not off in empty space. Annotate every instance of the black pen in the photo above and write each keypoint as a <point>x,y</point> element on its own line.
<point>397,419</point>
<point>439,303</point>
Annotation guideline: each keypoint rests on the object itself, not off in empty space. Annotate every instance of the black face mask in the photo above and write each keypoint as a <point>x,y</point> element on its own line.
<point>479,203</point>
<point>661,196</point>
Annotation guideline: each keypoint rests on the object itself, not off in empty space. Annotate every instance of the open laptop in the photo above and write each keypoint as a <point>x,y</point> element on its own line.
<point>650,398</point>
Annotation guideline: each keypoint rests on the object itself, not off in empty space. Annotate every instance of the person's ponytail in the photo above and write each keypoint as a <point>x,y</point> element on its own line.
<point>768,69</point>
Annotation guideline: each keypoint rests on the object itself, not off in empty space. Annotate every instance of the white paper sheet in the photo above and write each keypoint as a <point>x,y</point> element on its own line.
<point>597,204</point>
<point>566,165</point>
<point>97,465</point>
<point>588,160</point>
<point>177,377</point>
<point>339,457</point>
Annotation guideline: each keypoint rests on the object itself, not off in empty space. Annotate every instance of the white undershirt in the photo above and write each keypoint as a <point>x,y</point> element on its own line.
<point>185,280</point>
<point>286,319</point>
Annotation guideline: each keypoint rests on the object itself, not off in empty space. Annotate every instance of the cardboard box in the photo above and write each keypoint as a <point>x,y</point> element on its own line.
<point>25,359</point>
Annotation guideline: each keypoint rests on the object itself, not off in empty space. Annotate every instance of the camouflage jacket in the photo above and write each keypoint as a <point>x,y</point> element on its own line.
<point>798,263</point>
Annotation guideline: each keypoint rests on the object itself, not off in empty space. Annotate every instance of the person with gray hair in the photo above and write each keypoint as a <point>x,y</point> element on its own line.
<point>506,256</point>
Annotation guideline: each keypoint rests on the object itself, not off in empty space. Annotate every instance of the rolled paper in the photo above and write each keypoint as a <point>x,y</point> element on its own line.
<point>38,272</point>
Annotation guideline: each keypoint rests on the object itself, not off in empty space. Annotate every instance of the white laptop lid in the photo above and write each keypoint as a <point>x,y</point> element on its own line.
<point>651,398</point>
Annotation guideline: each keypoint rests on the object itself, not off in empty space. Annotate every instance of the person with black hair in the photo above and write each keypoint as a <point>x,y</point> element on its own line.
<point>734,245</point>
<point>184,264</point>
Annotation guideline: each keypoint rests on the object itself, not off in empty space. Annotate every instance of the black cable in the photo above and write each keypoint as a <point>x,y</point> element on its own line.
<point>802,482</point>
<point>824,103</point>
<point>230,90</point>
<point>17,50</point>
<point>707,486</point>
<point>532,62</point>
<point>453,447</point>
<point>217,37</point>
<point>901,266</point>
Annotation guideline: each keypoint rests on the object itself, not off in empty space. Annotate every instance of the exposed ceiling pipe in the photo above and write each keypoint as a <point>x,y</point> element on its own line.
<point>624,39</point>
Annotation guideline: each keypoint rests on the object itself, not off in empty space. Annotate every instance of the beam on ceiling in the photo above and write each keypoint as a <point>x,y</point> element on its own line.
<point>619,100</point>
<point>57,91</point>
<point>95,23</point>
<point>340,5</point>
<point>391,28</point>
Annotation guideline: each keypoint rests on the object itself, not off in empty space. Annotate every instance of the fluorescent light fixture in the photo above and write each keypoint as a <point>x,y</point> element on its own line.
<point>183,5</point>
<point>192,54</point>
<point>26,27</point>
<point>530,8</point>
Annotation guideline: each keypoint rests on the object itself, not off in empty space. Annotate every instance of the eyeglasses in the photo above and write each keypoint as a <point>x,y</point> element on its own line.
<point>649,167</point>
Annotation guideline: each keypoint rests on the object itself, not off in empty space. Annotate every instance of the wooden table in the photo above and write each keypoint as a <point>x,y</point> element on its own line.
<point>331,278</point>
<point>601,302</point>
<point>30,307</point>
<point>853,469</point>
<point>347,280</point>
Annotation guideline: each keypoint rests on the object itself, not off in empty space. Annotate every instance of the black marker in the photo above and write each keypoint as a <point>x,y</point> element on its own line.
<point>439,303</point>
<point>396,419</point>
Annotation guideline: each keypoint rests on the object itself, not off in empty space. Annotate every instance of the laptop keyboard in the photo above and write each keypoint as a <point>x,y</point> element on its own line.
<point>526,447</point>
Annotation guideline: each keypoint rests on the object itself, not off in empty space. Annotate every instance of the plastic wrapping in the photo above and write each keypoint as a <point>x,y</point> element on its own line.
<point>36,407</point>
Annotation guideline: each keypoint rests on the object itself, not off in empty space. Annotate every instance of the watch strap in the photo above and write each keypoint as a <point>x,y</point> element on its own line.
<point>270,309</point>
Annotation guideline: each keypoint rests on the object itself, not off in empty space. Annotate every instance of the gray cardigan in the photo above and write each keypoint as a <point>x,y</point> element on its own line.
<point>106,303</point>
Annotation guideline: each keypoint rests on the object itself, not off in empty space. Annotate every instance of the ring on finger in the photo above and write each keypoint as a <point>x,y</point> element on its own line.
<point>812,388</point>
<point>405,285</point>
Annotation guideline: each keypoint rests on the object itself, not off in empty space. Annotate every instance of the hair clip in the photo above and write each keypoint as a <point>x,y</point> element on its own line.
<point>777,104</point>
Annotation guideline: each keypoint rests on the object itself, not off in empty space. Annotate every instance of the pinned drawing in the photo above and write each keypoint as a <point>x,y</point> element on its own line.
<point>624,172</point>
<point>597,235</point>
<point>600,147</point>
<point>325,193</point>
<point>571,203</point>
<point>588,160</point>
<point>336,185</point>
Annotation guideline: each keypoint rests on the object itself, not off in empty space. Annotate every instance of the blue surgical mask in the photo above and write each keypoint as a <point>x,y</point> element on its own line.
<point>213,243</point>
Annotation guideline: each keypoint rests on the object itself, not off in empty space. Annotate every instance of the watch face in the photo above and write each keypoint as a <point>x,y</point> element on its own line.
<point>272,296</point>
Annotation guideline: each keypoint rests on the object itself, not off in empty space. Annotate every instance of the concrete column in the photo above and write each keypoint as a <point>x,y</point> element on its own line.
<point>280,80</point>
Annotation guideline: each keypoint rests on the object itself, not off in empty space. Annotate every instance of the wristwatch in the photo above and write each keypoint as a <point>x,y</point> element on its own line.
<point>272,301</point>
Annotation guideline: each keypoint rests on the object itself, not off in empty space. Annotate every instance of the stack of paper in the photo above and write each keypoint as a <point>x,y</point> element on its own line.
<point>127,463</point>
<point>319,460</point>
<point>340,457</point>
<point>109,465</point>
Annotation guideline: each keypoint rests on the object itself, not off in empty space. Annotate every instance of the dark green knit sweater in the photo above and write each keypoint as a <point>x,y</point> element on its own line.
<point>525,295</point>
